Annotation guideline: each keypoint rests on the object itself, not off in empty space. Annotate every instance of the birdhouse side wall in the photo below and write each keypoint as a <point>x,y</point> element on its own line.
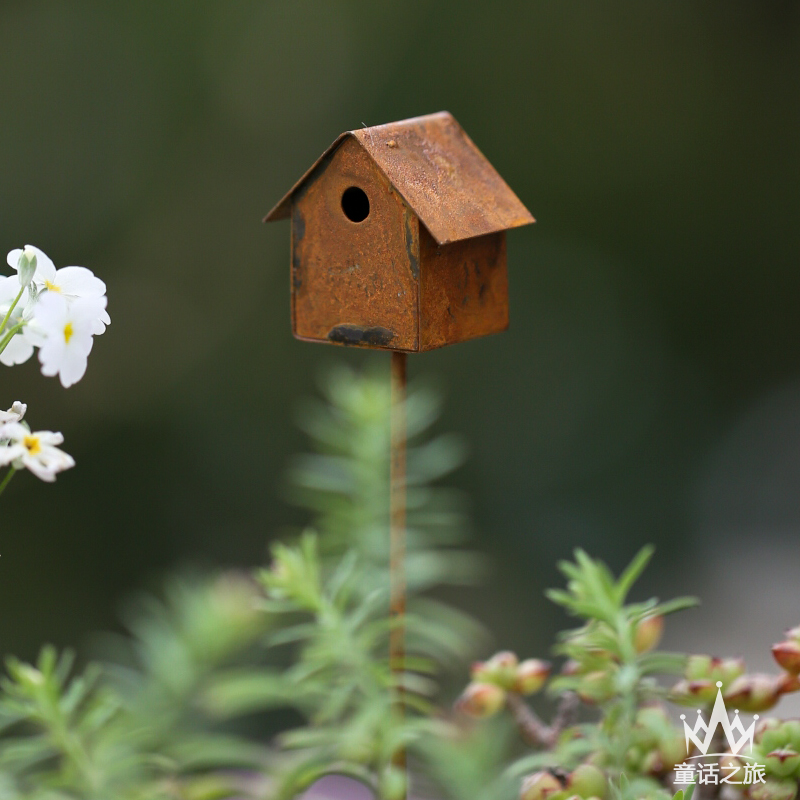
<point>463,289</point>
<point>354,282</point>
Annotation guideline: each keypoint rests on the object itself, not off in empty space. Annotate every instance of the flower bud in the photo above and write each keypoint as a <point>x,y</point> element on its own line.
<point>770,733</point>
<point>531,675</point>
<point>754,693</point>
<point>596,687</point>
<point>698,667</point>
<point>727,669</point>
<point>790,728</point>
<point>540,786</point>
<point>587,780</point>
<point>689,693</point>
<point>481,699</point>
<point>648,633</point>
<point>793,634</point>
<point>787,654</point>
<point>26,266</point>
<point>501,669</point>
<point>703,667</point>
<point>774,789</point>
<point>783,762</point>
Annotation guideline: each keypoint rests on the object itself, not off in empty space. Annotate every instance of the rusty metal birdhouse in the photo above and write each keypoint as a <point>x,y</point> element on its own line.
<point>398,239</point>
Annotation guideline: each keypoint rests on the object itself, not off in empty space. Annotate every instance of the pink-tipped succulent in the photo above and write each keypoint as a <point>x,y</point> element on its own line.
<point>531,675</point>
<point>648,633</point>
<point>540,786</point>
<point>481,699</point>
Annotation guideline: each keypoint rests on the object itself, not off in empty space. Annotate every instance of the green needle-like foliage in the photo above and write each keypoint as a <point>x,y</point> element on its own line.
<point>187,705</point>
<point>167,717</point>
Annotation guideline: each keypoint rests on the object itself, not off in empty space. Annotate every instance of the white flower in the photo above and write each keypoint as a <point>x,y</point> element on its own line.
<point>14,414</point>
<point>73,283</point>
<point>18,351</point>
<point>34,451</point>
<point>63,333</point>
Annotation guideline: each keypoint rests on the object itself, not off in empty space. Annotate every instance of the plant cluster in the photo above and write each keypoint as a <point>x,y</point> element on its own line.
<point>255,685</point>
<point>634,748</point>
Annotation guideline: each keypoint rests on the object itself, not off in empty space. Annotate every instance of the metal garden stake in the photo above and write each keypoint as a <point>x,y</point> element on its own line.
<point>398,243</point>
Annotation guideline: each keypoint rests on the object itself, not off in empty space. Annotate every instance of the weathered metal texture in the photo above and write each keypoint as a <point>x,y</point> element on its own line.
<point>354,282</point>
<point>463,289</point>
<point>437,169</point>
<point>425,266</point>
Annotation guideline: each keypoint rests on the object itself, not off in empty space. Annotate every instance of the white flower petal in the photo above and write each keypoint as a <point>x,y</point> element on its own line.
<point>17,351</point>
<point>10,453</point>
<point>45,268</point>
<point>12,259</point>
<point>34,334</point>
<point>50,438</point>
<point>38,469</point>
<point>9,289</point>
<point>72,367</point>
<point>51,310</point>
<point>78,282</point>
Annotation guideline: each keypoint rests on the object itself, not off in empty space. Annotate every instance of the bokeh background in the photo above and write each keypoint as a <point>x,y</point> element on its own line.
<point>648,389</point>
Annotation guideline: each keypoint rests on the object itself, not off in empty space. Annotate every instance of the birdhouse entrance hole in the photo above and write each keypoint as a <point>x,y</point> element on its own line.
<point>355,204</point>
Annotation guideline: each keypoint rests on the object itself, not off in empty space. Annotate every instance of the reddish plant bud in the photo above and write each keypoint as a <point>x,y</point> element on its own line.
<point>702,667</point>
<point>726,669</point>
<point>540,786</point>
<point>754,693</point>
<point>690,693</point>
<point>596,687</point>
<point>531,675</point>
<point>783,762</point>
<point>788,683</point>
<point>787,654</point>
<point>648,633</point>
<point>793,634</point>
<point>505,659</point>
<point>477,670</point>
<point>501,669</point>
<point>587,780</point>
<point>698,667</point>
<point>774,789</point>
<point>481,699</point>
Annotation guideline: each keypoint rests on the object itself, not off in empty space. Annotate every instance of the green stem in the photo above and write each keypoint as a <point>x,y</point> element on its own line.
<point>10,310</point>
<point>9,475</point>
<point>12,332</point>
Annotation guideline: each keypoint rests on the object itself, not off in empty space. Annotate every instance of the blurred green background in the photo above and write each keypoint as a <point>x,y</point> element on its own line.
<point>649,387</point>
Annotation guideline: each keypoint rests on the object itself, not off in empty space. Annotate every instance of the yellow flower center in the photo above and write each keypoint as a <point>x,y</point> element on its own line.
<point>67,332</point>
<point>51,287</point>
<point>32,444</point>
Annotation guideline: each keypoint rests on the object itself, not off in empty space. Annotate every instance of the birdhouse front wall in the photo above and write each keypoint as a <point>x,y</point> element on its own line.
<point>354,276</point>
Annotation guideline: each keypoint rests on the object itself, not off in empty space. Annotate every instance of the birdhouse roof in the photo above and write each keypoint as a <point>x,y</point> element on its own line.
<point>439,172</point>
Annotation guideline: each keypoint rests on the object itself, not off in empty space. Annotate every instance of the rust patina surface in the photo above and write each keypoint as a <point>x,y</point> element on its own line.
<point>426,266</point>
